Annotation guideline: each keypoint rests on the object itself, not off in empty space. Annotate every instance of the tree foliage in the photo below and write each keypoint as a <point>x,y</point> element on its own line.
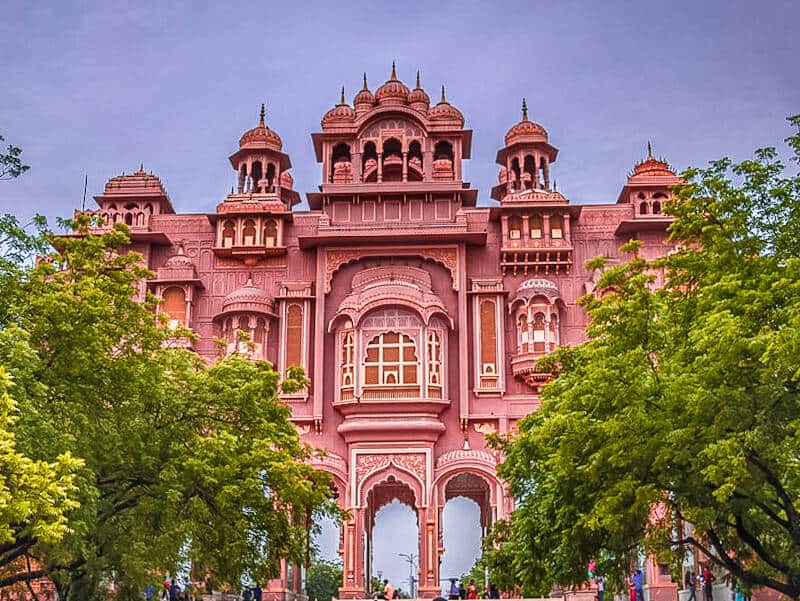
<point>677,425</point>
<point>11,165</point>
<point>182,461</point>
<point>323,580</point>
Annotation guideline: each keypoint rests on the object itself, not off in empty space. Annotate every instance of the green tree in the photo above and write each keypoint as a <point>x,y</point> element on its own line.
<point>11,165</point>
<point>323,580</point>
<point>677,425</point>
<point>181,461</point>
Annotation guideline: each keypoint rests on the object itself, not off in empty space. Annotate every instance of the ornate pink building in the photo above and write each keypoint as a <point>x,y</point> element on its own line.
<point>417,315</point>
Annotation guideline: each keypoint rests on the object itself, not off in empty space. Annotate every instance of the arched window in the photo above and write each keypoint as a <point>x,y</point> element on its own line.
<point>553,331</point>
<point>443,150</point>
<point>434,359</point>
<point>539,328</point>
<point>260,334</point>
<point>643,208</point>
<point>528,172</point>
<point>516,173</point>
<point>535,222</point>
<point>392,160</point>
<point>488,365</point>
<point>369,169</point>
<point>257,172</point>
<point>228,332</point>
<point>522,334</point>
<point>270,233</point>
<point>228,234</point>
<point>294,336</point>
<point>415,169</point>
<point>556,226</point>
<point>657,204</point>
<point>656,207</point>
<point>341,152</point>
<point>249,233</point>
<point>391,361</point>
<point>514,227</point>
<point>242,177</point>
<point>543,175</point>
<point>347,366</point>
<point>174,306</point>
<point>270,177</point>
<point>128,218</point>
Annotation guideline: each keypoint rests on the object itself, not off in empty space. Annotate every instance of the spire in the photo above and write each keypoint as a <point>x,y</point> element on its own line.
<point>524,110</point>
<point>394,73</point>
<point>649,150</point>
<point>141,167</point>
<point>365,88</point>
<point>418,86</point>
<point>262,115</point>
<point>444,98</point>
<point>341,100</point>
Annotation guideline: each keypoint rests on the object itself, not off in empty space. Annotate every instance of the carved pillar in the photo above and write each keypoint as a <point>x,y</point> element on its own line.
<point>428,554</point>
<point>405,166</point>
<point>547,174</point>
<point>380,167</point>
<point>357,167</point>
<point>353,556</point>
<point>535,171</point>
<point>427,165</point>
<point>525,229</point>
<point>546,225</point>
<point>567,232</point>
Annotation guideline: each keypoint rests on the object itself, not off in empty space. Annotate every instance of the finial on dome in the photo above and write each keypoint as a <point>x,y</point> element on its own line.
<point>524,110</point>
<point>341,100</point>
<point>418,86</point>
<point>365,88</point>
<point>394,73</point>
<point>262,115</point>
<point>649,150</point>
<point>444,98</point>
<point>555,185</point>
<point>141,167</point>
<point>249,278</point>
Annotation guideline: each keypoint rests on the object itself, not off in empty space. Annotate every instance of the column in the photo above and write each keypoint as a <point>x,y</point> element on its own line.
<point>546,226</point>
<point>427,165</point>
<point>357,167</point>
<point>547,174</point>
<point>380,167</point>
<point>428,574</point>
<point>405,166</point>
<point>567,232</point>
<point>535,182</point>
<point>525,229</point>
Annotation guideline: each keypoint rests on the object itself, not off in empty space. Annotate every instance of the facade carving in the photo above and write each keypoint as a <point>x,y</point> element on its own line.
<point>418,314</point>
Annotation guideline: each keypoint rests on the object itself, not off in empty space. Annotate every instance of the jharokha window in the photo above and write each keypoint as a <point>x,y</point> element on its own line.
<point>174,306</point>
<point>347,382</point>
<point>228,234</point>
<point>434,365</point>
<point>391,362</point>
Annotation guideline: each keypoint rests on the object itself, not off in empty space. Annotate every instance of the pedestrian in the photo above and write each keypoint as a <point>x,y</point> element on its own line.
<point>638,585</point>
<point>601,587</point>
<point>454,593</point>
<point>149,592</point>
<point>388,589</point>
<point>493,592</point>
<point>258,594</point>
<point>708,583</point>
<point>472,590</point>
<point>174,589</point>
<point>247,594</point>
<point>691,585</point>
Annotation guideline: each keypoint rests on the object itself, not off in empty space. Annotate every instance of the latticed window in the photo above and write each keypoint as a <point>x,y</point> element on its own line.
<point>536,226</point>
<point>228,234</point>
<point>515,228</point>
<point>347,380</point>
<point>270,233</point>
<point>249,233</point>
<point>488,338</point>
<point>522,334</point>
<point>294,336</point>
<point>556,226</point>
<point>539,332</point>
<point>390,361</point>
<point>434,365</point>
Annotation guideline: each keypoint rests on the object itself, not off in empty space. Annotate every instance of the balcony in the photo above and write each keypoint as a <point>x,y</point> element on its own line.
<point>523,366</point>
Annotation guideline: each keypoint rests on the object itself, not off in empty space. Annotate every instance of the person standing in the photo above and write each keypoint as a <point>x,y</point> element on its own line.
<point>638,584</point>
<point>174,590</point>
<point>708,583</point>
<point>258,594</point>
<point>601,587</point>
<point>493,592</point>
<point>454,594</point>
<point>472,590</point>
<point>691,585</point>
<point>149,592</point>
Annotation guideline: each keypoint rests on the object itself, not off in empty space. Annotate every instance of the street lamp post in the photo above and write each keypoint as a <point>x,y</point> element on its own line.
<point>411,558</point>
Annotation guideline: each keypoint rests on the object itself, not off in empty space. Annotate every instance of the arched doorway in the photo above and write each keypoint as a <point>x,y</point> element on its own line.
<point>466,516</point>
<point>392,535</point>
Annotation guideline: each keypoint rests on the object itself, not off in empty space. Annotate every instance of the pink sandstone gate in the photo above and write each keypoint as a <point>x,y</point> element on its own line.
<point>417,314</point>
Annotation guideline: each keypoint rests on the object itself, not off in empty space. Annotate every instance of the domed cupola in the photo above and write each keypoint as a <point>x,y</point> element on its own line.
<point>652,167</point>
<point>261,136</point>
<point>525,130</point>
<point>341,113</point>
<point>248,299</point>
<point>444,112</point>
<point>393,92</point>
<point>418,99</point>
<point>364,100</point>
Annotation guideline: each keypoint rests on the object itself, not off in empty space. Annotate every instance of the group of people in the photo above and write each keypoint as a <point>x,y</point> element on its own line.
<point>470,591</point>
<point>705,579</point>
<point>171,591</point>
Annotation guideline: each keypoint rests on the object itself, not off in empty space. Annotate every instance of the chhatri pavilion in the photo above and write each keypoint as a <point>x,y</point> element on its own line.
<point>417,315</point>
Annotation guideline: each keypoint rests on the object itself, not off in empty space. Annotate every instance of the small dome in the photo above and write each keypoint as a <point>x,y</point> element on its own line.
<point>179,259</point>
<point>287,181</point>
<point>364,99</point>
<point>444,111</point>
<point>418,98</point>
<point>393,91</point>
<point>261,135</point>
<point>525,130</point>
<point>341,113</point>
<point>248,298</point>
<point>652,167</point>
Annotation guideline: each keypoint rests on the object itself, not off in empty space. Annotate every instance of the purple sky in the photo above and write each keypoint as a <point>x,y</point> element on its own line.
<point>97,88</point>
